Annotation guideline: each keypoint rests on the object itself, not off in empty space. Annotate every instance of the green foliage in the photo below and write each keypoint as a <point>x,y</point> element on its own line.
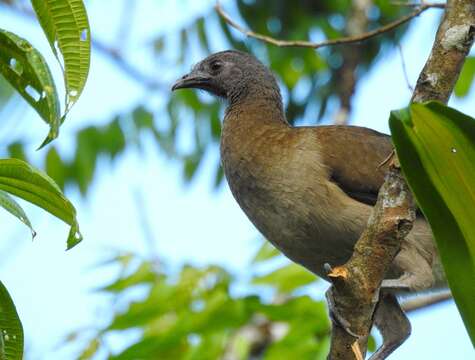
<point>197,314</point>
<point>436,147</point>
<point>11,330</point>
<point>122,132</point>
<point>312,79</point>
<point>66,26</point>
<point>26,70</point>
<point>92,142</point>
<point>65,22</point>
<point>9,204</point>
<point>465,80</point>
<point>20,179</point>
<point>265,252</point>
<point>286,279</point>
<point>6,92</point>
<point>194,315</point>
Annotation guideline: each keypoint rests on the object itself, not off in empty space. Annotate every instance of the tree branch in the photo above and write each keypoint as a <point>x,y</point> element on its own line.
<point>453,41</point>
<point>314,45</point>
<point>356,284</point>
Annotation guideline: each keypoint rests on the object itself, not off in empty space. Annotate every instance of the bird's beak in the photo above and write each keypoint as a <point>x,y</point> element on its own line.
<point>195,79</point>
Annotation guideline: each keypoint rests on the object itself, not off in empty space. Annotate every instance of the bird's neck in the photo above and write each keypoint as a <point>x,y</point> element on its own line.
<point>256,103</point>
<point>251,123</point>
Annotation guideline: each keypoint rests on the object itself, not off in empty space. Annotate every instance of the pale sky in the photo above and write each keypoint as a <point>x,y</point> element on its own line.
<point>53,289</point>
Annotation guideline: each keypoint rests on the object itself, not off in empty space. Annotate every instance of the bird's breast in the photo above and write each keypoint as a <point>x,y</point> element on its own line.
<point>282,186</point>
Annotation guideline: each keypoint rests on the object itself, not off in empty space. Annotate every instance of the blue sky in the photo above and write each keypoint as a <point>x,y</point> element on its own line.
<point>53,289</point>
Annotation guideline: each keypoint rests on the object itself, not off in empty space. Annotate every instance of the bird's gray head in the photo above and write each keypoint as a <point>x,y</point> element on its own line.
<point>232,75</point>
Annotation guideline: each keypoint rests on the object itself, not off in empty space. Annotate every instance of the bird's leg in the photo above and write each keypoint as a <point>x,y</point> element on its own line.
<point>409,282</point>
<point>392,323</point>
<point>335,315</point>
<point>401,284</point>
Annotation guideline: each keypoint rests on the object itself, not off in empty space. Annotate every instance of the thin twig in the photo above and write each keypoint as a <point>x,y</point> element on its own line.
<point>314,45</point>
<point>404,69</point>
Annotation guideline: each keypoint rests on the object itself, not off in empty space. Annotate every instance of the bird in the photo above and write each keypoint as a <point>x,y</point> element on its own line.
<point>309,190</point>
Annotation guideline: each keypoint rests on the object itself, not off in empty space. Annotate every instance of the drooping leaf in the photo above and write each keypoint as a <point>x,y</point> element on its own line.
<point>436,147</point>
<point>20,179</point>
<point>26,70</point>
<point>465,80</point>
<point>66,26</point>
<point>11,336</point>
<point>9,204</point>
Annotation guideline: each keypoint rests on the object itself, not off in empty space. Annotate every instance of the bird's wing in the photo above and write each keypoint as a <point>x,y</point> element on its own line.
<point>353,156</point>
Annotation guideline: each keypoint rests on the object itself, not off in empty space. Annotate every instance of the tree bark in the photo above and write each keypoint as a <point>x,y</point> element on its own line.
<point>356,284</point>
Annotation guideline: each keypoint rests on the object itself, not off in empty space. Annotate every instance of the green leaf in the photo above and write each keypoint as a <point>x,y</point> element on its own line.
<point>90,350</point>
<point>140,313</point>
<point>266,251</point>
<point>148,348</point>
<point>436,147</point>
<point>55,168</point>
<point>26,70</point>
<point>66,26</point>
<point>202,36</point>
<point>297,310</point>
<point>20,179</point>
<point>9,204</point>
<point>465,80</point>
<point>143,275</point>
<point>287,278</point>
<point>212,346</point>
<point>11,337</point>
<point>6,93</point>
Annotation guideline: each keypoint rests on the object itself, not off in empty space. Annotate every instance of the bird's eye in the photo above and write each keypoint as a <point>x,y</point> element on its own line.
<point>215,66</point>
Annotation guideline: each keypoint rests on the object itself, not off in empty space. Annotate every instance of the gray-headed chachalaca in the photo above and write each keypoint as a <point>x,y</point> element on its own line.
<point>309,190</point>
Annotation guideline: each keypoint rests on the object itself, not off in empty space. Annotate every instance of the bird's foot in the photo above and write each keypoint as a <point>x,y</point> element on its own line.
<point>409,282</point>
<point>395,285</point>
